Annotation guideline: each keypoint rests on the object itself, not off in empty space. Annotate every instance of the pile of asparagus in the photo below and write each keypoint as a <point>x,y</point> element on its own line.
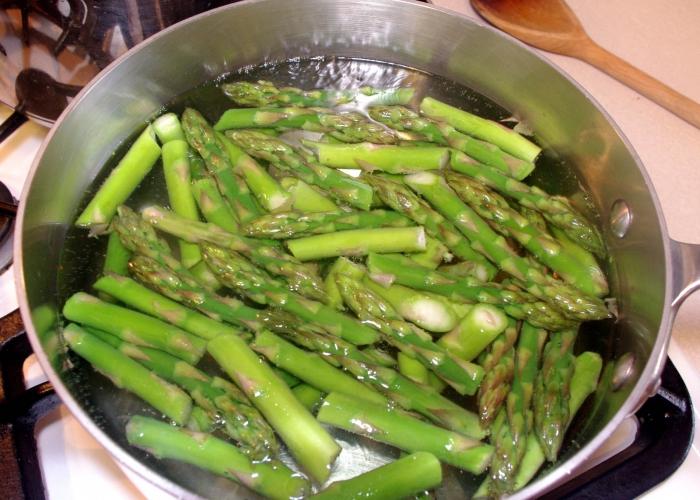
<point>367,303</point>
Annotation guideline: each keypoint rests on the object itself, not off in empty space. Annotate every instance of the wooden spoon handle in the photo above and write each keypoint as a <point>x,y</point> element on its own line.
<point>648,86</point>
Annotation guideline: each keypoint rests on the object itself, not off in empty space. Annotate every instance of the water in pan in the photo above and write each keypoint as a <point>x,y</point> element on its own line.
<point>82,256</point>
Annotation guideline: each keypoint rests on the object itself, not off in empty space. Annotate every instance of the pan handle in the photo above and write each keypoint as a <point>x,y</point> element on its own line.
<point>685,260</point>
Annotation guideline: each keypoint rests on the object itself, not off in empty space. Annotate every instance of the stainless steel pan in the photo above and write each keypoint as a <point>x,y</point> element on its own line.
<point>650,273</point>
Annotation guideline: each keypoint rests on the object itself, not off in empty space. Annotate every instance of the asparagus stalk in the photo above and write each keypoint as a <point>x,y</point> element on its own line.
<point>266,189</point>
<point>273,480</point>
<point>482,324</point>
<point>341,187</point>
<point>121,182</point>
<point>403,119</point>
<point>492,207</point>
<point>407,476</point>
<point>310,368</point>
<point>167,127</point>
<point>412,369</point>
<point>358,242</point>
<point>346,127</point>
<point>285,225</point>
<point>516,303</point>
<point>309,396</point>
<point>381,424</point>
<point>200,421</point>
<point>301,277</point>
<point>463,377</point>
<point>203,139</point>
<point>212,205</point>
<point>551,398</point>
<point>176,168</point>
<point>235,272</point>
<point>149,302</point>
<point>433,255</point>
<point>587,367</point>
<point>570,301</point>
<point>387,158</point>
<point>510,436</point>
<point>499,366</point>
<point>506,139</point>
<point>116,257</point>
<point>403,200</point>
<point>133,326</point>
<point>556,209</point>
<point>305,198</point>
<point>307,441</point>
<point>240,419</point>
<point>128,374</point>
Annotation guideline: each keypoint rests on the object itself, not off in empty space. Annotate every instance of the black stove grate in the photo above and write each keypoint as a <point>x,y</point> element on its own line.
<point>662,443</point>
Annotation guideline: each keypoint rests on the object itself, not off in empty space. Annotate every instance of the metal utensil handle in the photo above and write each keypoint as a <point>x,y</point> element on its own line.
<point>686,271</point>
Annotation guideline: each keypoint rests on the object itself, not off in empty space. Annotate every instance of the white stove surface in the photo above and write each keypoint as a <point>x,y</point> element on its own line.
<point>75,466</point>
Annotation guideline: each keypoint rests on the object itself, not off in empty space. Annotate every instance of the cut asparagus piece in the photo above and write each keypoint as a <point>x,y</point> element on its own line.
<point>212,205</point>
<point>176,168</point>
<point>412,369</point>
<point>295,224</point>
<point>515,302</point>
<point>301,277</point>
<point>403,119</point>
<point>584,381</point>
<point>435,254</point>
<point>307,441</point>
<point>311,368</point>
<point>495,133</point>
<point>116,257</point>
<point>342,187</point>
<point>305,198</point>
<point>556,209</point>
<point>482,324</point>
<point>368,156</point>
<point>273,480</point>
<point>399,197</point>
<point>167,127</point>
<point>133,326</point>
<point>149,302</point>
<point>358,242</point>
<point>309,396</point>
<point>551,399</point>
<point>499,366</point>
<point>492,207</point>
<point>121,182</point>
<point>407,476</point>
<point>570,301</point>
<point>127,374</point>
<point>224,404</point>
<point>381,424</point>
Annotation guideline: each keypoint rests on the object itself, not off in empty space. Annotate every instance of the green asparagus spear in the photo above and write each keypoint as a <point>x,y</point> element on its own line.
<point>506,139</point>
<point>516,303</point>
<point>121,182</point>
<point>571,302</point>
<point>212,205</point>
<point>403,119</point>
<point>435,253</point>
<point>309,396</point>
<point>176,168</point>
<point>310,368</point>
<point>402,478</point>
<point>403,200</point>
<point>149,302</point>
<point>499,366</point>
<point>342,187</point>
<point>482,324</point>
<point>307,441</point>
<point>116,257</point>
<point>128,374</point>
<point>412,369</point>
<point>305,198</point>
<point>133,326</point>
<point>203,139</point>
<point>358,242</point>
<point>240,419</point>
<point>494,208</point>
<point>391,159</point>
<point>556,209</point>
<point>167,127</point>
<point>235,272</point>
<point>381,424</point>
<point>301,277</point>
<point>551,398</point>
<point>273,480</point>
<point>285,225</point>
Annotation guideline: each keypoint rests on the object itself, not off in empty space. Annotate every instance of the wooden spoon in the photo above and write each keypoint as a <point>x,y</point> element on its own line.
<point>552,26</point>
